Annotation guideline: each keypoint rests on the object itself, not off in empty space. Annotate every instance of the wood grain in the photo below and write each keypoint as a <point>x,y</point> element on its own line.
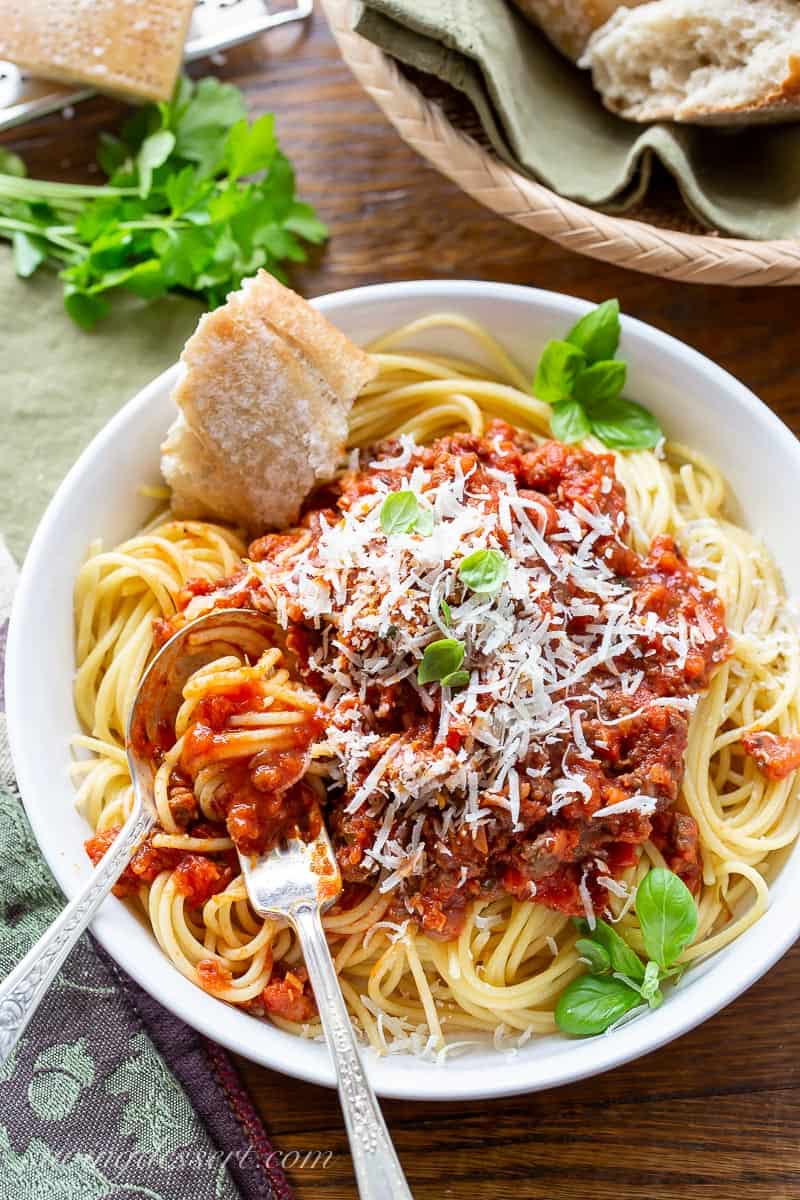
<point>715,1115</point>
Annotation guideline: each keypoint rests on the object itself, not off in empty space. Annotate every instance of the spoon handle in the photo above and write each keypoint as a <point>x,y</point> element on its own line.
<point>22,990</point>
<point>377,1168</point>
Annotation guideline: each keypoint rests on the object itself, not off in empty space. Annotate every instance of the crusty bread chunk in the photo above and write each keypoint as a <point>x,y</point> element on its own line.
<point>264,399</point>
<point>570,23</point>
<point>700,61</point>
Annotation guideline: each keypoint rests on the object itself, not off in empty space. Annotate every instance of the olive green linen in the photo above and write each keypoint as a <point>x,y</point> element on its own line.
<point>541,114</point>
<point>59,385</point>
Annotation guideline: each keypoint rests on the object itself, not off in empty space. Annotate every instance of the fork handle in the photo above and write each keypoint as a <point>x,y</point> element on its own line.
<point>377,1168</point>
<point>22,990</point>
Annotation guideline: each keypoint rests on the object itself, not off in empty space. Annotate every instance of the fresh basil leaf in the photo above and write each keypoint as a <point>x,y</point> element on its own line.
<point>154,151</point>
<point>11,164</point>
<point>557,370</point>
<point>624,425</point>
<point>399,512</point>
<point>484,570</point>
<point>456,679</point>
<point>623,958</point>
<point>441,658</point>
<point>568,422</point>
<point>444,609</point>
<point>424,522</point>
<point>29,253</point>
<point>601,382</point>
<point>591,1003</point>
<point>649,989</point>
<point>667,915</point>
<point>596,956</point>
<point>597,334</point>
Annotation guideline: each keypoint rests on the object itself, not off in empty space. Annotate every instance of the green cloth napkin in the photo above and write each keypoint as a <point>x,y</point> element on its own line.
<point>542,115</point>
<point>59,385</point>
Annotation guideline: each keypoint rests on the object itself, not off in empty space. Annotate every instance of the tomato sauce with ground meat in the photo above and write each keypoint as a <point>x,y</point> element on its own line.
<point>556,851</point>
<point>776,755</point>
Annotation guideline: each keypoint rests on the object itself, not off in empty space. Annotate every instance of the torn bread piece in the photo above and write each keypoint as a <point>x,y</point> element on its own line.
<point>264,400</point>
<point>570,23</point>
<point>733,62</point>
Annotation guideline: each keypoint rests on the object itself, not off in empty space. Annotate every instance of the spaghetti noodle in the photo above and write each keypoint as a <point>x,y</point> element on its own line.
<point>507,957</point>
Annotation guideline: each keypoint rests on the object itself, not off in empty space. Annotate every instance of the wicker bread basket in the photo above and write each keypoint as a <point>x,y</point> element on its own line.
<point>639,245</point>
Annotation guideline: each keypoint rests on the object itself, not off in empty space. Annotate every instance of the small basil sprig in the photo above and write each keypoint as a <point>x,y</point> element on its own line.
<point>401,512</point>
<point>484,570</point>
<point>667,916</point>
<point>441,662</point>
<point>618,979</point>
<point>583,381</point>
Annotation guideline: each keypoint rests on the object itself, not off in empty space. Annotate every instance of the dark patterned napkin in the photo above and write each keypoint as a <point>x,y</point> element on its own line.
<point>107,1096</point>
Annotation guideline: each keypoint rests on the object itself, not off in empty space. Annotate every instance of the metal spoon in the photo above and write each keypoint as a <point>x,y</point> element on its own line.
<point>295,882</point>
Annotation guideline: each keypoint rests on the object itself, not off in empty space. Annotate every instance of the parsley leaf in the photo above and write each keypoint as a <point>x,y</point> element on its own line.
<point>29,252</point>
<point>197,198</point>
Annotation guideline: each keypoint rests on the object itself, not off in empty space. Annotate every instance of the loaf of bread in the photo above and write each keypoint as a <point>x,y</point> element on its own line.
<point>570,23</point>
<point>700,61</point>
<point>133,49</point>
<point>264,400</point>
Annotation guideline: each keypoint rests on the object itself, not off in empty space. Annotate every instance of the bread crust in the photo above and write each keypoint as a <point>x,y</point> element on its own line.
<point>263,399</point>
<point>623,36</point>
<point>570,23</point>
<point>781,104</point>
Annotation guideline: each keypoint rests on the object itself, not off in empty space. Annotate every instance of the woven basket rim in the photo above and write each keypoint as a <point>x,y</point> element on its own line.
<point>624,241</point>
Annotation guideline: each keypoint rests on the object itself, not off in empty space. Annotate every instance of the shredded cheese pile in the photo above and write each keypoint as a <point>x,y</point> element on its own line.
<point>376,600</point>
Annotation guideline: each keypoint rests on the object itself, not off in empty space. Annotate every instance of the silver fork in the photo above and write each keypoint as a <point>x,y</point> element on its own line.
<point>294,883</point>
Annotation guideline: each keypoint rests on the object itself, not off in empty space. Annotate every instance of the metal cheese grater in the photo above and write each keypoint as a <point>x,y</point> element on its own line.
<point>216,26</point>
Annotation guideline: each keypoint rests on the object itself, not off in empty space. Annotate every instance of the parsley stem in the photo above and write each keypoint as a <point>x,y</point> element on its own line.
<point>12,187</point>
<point>48,234</point>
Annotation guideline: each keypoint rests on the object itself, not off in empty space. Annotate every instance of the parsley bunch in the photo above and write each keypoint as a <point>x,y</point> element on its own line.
<point>618,979</point>
<point>197,198</point>
<point>583,381</point>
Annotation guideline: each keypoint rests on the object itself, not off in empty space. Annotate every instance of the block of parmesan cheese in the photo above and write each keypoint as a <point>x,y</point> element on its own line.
<point>133,48</point>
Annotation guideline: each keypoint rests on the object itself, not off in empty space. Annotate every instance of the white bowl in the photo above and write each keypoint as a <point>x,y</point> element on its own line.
<point>697,403</point>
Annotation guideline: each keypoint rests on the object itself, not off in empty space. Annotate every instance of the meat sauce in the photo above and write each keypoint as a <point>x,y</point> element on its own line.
<point>642,753</point>
<point>638,739</point>
<point>264,798</point>
<point>776,755</point>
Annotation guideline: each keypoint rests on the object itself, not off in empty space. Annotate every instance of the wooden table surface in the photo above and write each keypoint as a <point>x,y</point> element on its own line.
<point>716,1115</point>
